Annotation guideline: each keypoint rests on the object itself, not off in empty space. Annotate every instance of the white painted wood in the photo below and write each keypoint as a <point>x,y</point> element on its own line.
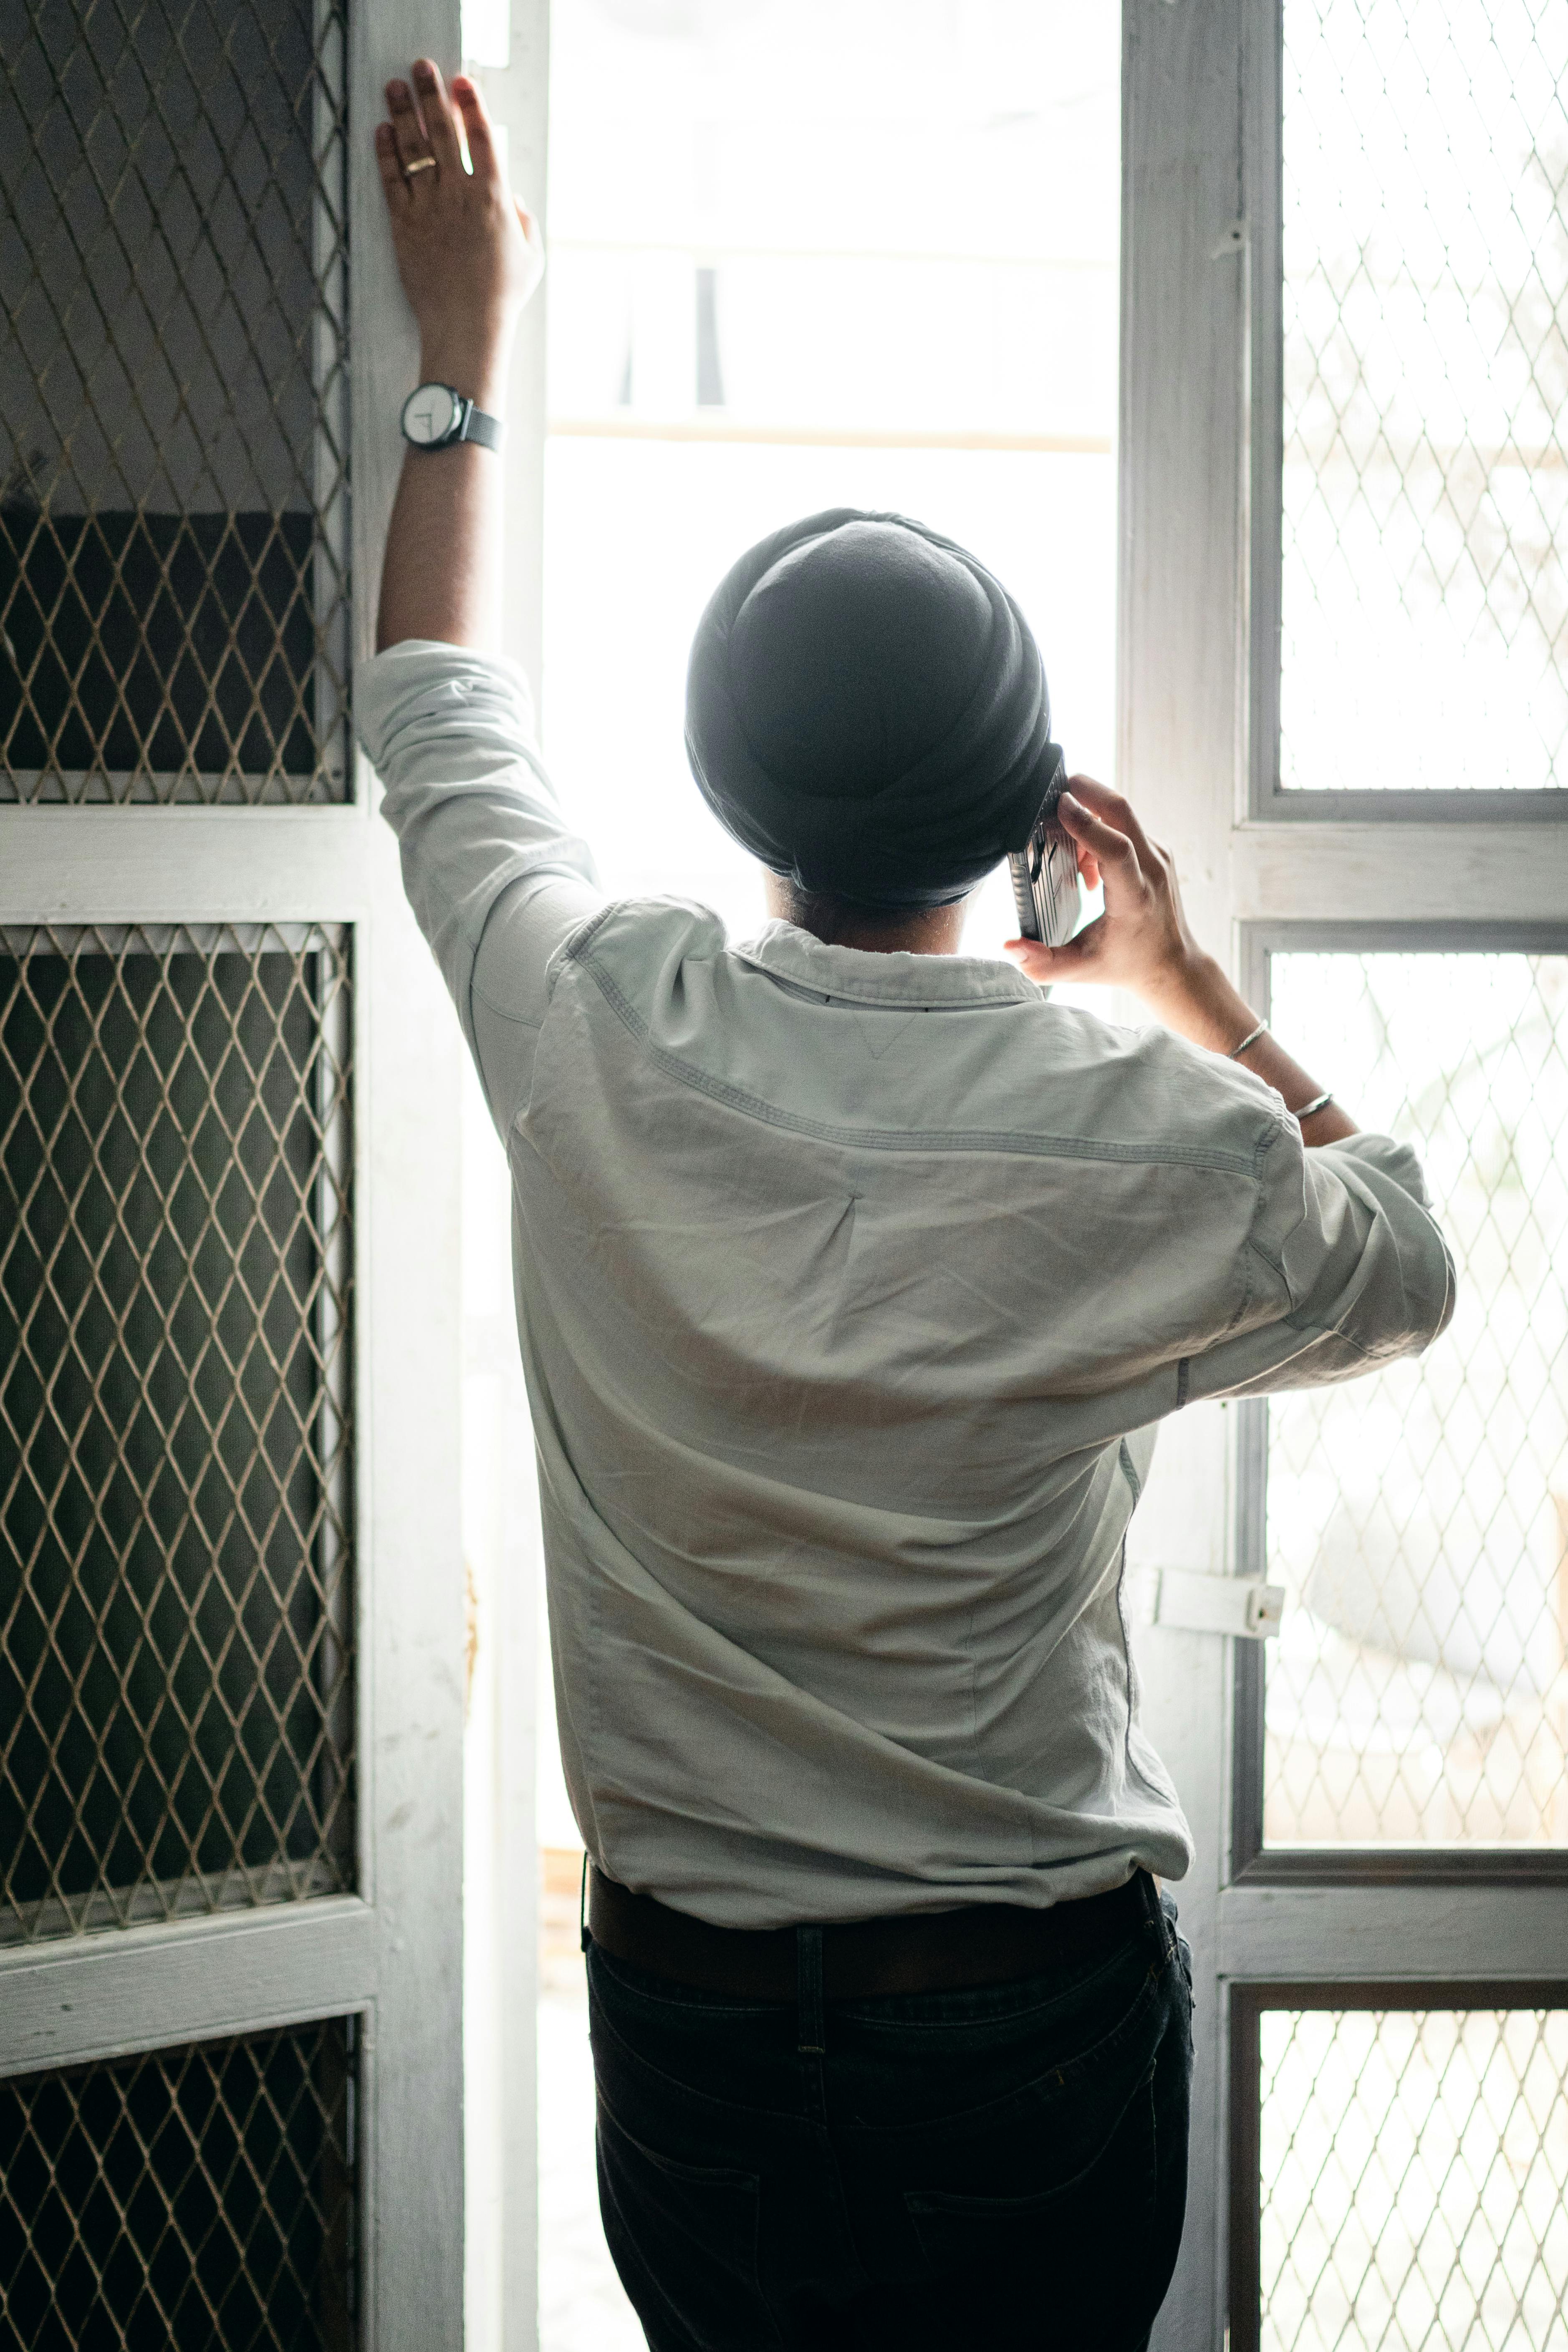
<point>385,37</point>
<point>1192,1600</point>
<point>1180,669</point>
<point>518,2055</point>
<point>1409,873</point>
<point>1181,661</point>
<point>1329,1934</point>
<point>411,1600</point>
<point>1184,1690</point>
<point>411,1594</point>
<point>1259,205</point>
<point>146,1987</point>
<point>500,1926</point>
<point>146,865</point>
<point>518,98</point>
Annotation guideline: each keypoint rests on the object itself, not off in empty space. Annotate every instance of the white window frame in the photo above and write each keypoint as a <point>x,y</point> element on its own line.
<point>1198,659</point>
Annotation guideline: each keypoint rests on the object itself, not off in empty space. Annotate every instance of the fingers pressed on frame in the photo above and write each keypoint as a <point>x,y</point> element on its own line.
<point>408,135</point>
<point>475,124</point>
<point>436,107</point>
<point>389,166</point>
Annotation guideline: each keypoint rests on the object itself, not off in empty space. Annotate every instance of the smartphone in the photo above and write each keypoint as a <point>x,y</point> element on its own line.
<point>1045,875</point>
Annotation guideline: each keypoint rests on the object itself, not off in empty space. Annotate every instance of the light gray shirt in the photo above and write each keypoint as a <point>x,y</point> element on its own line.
<point>851,1288</point>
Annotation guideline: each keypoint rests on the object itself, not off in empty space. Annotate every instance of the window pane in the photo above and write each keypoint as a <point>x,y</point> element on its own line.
<point>176,1635</point>
<point>852,252</point>
<point>1413,2165</point>
<point>1418,1519</point>
<point>174,390</point>
<point>1426,480</point>
<point>187,2198</point>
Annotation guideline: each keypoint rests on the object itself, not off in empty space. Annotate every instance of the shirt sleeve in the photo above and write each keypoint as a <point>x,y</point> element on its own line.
<point>1346,1269</point>
<point>494,877</point>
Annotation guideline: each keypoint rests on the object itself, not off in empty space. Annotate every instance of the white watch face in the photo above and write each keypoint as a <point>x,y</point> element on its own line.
<point>429,413</point>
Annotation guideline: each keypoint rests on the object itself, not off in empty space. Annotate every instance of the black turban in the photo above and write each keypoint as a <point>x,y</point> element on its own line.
<point>867,711</point>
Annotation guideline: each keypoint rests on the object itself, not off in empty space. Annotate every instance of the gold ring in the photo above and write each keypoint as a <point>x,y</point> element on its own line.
<point>420,163</point>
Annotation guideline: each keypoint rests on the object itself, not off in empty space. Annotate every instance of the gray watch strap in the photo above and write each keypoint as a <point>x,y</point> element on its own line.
<point>486,430</point>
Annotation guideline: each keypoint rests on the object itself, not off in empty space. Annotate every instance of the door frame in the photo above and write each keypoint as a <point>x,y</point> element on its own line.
<point>1197,665</point>
<point>390,1953</point>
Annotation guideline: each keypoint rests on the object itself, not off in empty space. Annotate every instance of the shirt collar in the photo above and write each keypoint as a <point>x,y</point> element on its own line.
<point>856,976</point>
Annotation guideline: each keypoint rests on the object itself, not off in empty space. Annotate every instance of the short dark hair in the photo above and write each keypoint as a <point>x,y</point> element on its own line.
<point>832,918</point>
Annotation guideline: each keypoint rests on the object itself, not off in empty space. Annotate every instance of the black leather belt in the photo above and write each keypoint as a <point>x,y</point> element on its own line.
<point>934,1951</point>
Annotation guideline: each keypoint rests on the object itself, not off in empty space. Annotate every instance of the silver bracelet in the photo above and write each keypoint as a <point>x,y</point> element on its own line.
<point>1251,1038</point>
<point>1319,1102</point>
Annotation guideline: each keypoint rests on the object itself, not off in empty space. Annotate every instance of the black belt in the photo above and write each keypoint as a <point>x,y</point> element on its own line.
<point>932,1951</point>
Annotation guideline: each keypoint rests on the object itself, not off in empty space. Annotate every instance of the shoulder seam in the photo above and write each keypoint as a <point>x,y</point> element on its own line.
<point>1029,1146</point>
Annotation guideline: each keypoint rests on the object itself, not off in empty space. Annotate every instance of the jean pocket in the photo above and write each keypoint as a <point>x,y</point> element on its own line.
<point>689,2230</point>
<point>1069,2259</point>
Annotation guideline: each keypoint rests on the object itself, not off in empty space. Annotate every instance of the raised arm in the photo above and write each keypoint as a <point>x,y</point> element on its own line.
<point>493,872</point>
<point>470,256</point>
<point>1142,943</point>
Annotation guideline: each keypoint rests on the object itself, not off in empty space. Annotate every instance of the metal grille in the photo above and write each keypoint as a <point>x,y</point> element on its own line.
<point>201,2196</point>
<point>1414,2180</point>
<point>176,1623</point>
<point>1425,378</point>
<point>1418,1692</point>
<point>174,400</point>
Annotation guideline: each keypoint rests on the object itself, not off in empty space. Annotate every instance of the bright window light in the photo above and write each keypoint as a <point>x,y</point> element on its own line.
<point>860,255</point>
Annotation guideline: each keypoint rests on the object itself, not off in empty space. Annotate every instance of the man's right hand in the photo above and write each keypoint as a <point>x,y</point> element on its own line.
<point>1142,943</point>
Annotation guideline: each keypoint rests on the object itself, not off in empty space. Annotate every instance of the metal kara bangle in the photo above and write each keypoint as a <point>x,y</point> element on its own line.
<point>1251,1038</point>
<point>1319,1102</point>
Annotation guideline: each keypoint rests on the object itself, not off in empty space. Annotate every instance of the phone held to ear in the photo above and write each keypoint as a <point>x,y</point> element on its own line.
<point>1045,873</point>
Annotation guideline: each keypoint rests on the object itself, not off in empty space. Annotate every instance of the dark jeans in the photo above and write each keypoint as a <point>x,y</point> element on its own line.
<point>1004,2167</point>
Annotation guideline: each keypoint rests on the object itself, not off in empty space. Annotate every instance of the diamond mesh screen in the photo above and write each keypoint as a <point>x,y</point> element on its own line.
<point>1426,359</point>
<point>1417,1693</point>
<point>173,417</point>
<point>1415,2174</point>
<point>176,1623</point>
<point>201,2196</point>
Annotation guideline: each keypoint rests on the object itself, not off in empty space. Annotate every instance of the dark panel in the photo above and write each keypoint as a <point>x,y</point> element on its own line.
<point>160,644</point>
<point>174,400</point>
<point>196,2199</point>
<point>175,1639</point>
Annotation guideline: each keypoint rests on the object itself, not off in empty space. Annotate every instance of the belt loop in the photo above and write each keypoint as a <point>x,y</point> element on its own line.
<point>808,1992</point>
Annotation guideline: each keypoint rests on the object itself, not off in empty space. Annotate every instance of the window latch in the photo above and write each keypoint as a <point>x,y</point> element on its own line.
<point>1243,1606</point>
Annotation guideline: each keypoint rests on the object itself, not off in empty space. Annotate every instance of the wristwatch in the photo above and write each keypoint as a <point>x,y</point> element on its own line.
<point>435,417</point>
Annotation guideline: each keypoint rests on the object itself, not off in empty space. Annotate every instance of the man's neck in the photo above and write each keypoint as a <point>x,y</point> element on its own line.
<point>924,930</point>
